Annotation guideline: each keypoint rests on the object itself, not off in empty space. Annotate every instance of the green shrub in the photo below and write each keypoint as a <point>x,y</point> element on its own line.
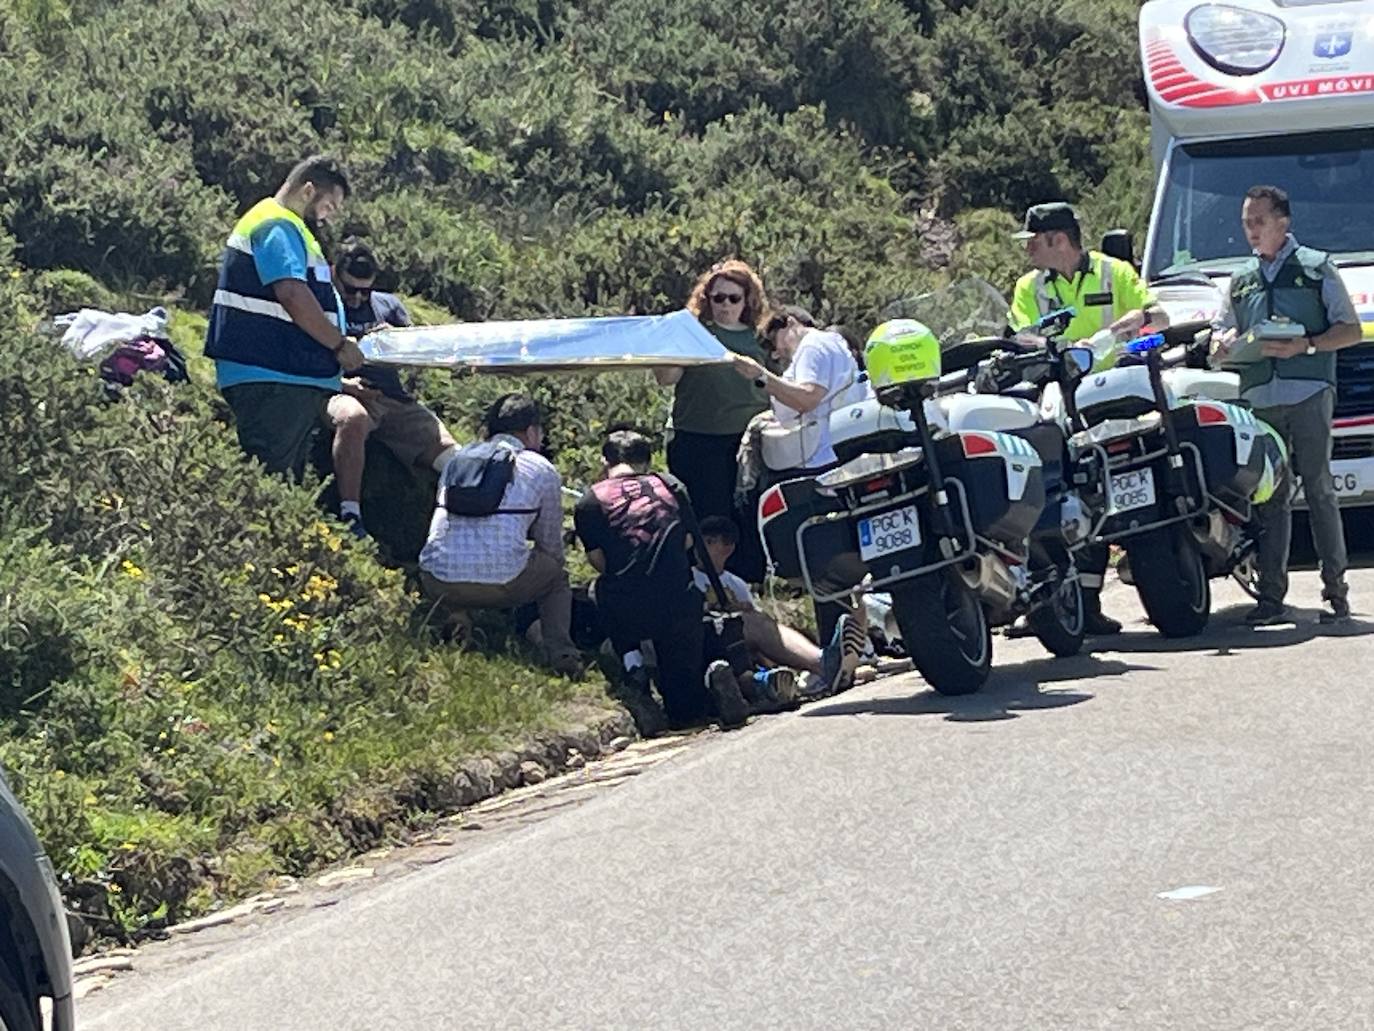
<point>195,663</point>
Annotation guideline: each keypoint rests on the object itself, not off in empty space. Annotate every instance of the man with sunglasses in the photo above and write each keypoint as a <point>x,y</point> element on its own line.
<point>374,400</point>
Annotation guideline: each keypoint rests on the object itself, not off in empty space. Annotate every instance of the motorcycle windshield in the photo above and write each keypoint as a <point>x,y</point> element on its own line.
<point>965,317</point>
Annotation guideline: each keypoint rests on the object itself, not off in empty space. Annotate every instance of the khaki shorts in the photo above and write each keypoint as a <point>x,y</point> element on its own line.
<point>412,432</point>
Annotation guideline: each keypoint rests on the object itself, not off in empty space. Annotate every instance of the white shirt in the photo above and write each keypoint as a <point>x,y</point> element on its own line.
<point>494,549</point>
<point>822,359</point>
<point>735,587</point>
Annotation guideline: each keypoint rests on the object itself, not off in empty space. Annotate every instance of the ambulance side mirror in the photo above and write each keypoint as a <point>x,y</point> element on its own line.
<point>1117,243</point>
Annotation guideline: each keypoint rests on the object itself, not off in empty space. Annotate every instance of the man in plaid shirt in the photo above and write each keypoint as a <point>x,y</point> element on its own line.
<point>515,555</point>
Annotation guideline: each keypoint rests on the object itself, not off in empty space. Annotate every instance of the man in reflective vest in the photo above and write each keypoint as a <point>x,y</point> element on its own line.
<point>1292,388</point>
<point>1106,293</point>
<point>276,326</point>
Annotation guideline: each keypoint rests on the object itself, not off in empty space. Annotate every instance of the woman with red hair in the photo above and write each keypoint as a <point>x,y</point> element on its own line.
<point>712,406</point>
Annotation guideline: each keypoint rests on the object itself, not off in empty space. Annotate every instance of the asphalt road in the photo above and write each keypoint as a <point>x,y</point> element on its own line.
<point>893,859</point>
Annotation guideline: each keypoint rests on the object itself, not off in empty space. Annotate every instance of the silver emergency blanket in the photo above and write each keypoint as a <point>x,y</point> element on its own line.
<point>550,345</point>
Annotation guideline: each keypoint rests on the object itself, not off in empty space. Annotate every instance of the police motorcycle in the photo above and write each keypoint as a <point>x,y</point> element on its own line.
<point>957,504</point>
<point>1181,470</point>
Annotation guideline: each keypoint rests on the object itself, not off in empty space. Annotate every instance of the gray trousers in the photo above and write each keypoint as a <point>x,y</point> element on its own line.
<point>1306,429</point>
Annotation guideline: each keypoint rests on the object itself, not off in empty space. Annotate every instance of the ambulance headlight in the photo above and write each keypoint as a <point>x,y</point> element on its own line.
<point>1233,40</point>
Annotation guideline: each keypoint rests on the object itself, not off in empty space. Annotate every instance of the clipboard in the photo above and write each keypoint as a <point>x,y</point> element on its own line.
<point>1249,347</point>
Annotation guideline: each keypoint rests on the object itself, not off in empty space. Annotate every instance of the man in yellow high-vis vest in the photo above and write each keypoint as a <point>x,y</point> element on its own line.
<point>1105,293</point>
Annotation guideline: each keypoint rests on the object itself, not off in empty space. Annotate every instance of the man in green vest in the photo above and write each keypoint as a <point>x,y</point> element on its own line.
<point>1292,387</point>
<point>277,325</point>
<point>1106,293</point>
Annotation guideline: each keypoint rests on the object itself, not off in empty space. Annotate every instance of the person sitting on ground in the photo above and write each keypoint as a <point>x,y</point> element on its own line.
<point>827,670</point>
<point>634,526</point>
<point>374,401</point>
<point>496,538</point>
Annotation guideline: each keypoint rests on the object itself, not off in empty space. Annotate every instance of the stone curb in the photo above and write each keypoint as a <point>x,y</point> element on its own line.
<point>477,779</point>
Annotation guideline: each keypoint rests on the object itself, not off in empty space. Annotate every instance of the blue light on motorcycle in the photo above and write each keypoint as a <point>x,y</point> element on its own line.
<point>1142,345</point>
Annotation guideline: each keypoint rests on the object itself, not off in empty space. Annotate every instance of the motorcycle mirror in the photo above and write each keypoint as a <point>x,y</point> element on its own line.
<point>1077,360</point>
<point>1117,243</point>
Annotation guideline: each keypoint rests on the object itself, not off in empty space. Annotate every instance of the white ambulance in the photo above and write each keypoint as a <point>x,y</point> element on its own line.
<point>1278,92</point>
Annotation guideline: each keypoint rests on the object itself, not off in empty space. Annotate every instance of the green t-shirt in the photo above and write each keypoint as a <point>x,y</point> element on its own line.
<point>716,398</point>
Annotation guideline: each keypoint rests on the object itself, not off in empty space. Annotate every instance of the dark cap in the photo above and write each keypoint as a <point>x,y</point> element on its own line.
<point>1053,216</point>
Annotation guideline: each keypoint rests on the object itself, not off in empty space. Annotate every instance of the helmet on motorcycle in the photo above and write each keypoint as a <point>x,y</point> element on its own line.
<point>901,351</point>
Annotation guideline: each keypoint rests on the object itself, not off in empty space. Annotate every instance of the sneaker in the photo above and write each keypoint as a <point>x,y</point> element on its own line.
<point>1267,613</point>
<point>812,686</point>
<point>854,645</point>
<point>633,692</point>
<point>1338,613</point>
<point>354,523</point>
<point>724,690</point>
<point>832,664</point>
<point>771,690</point>
<point>781,684</point>
<point>839,659</point>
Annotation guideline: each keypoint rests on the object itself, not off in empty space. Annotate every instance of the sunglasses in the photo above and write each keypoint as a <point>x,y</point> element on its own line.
<point>365,292</point>
<point>724,298</point>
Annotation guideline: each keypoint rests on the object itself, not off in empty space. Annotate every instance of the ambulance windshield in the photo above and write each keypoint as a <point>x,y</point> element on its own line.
<point>1327,176</point>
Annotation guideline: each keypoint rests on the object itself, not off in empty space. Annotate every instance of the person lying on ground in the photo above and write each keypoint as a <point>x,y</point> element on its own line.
<point>374,401</point>
<point>633,525</point>
<point>772,643</point>
<point>496,538</point>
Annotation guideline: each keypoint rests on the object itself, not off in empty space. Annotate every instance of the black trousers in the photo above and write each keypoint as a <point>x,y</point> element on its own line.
<point>674,625</point>
<point>1092,568</point>
<point>707,466</point>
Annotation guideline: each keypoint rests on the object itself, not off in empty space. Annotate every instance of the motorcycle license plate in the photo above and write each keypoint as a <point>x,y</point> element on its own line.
<point>1132,490</point>
<point>888,532</point>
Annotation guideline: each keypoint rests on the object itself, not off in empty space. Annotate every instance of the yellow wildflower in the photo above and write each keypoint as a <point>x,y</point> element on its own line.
<point>131,571</point>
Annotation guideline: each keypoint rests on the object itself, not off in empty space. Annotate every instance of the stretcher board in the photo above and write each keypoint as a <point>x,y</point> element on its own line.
<point>550,345</point>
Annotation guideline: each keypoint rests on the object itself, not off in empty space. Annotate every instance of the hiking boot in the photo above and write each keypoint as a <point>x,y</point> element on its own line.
<point>724,690</point>
<point>633,693</point>
<point>1267,613</point>
<point>1339,612</point>
<point>1099,624</point>
<point>354,524</point>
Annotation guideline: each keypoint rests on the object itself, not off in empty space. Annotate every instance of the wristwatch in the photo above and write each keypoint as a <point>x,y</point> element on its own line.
<point>761,382</point>
<point>1311,347</point>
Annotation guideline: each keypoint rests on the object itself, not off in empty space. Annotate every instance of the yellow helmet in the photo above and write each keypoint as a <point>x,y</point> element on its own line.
<point>901,351</point>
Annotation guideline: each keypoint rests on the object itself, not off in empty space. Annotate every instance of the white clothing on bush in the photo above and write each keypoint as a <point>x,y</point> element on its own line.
<point>90,334</point>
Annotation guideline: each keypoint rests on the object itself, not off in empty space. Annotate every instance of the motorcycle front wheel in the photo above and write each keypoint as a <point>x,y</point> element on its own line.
<point>945,631</point>
<point>1059,623</point>
<point>1171,580</point>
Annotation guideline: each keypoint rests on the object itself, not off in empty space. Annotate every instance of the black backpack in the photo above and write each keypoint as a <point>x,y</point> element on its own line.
<point>476,479</point>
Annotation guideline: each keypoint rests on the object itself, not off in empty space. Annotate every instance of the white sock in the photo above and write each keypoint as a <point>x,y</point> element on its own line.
<point>441,459</point>
<point>632,660</point>
<point>348,508</point>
